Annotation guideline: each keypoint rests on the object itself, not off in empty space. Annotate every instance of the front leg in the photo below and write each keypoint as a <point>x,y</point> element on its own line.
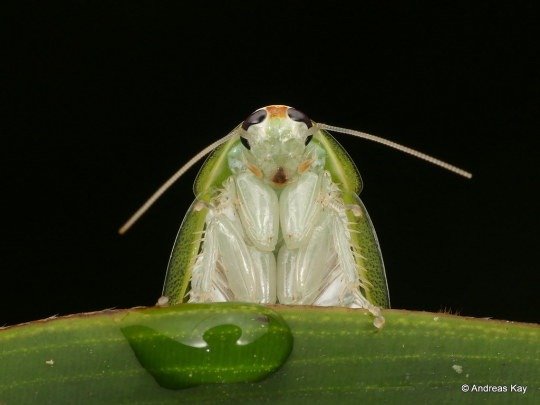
<point>302,273</point>
<point>258,208</point>
<point>228,268</point>
<point>300,208</point>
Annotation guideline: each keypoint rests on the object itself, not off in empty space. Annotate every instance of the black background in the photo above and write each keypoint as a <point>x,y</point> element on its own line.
<point>107,99</point>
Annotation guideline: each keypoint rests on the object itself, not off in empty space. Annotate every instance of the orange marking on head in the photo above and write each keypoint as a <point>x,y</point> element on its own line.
<point>277,111</point>
<point>255,170</point>
<point>302,167</point>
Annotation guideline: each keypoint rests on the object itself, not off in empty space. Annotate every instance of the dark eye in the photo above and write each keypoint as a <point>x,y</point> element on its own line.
<point>299,116</point>
<point>308,139</point>
<point>255,118</point>
<point>245,142</point>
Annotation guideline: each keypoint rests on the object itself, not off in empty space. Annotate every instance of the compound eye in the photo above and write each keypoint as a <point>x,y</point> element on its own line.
<point>255,118</point>
<point>245,142</point>
<point>299,116</point>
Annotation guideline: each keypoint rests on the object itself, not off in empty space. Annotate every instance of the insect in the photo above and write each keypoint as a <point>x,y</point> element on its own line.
<point>277,219</point>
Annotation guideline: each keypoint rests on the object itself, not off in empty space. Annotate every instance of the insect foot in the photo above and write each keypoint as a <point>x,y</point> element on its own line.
<point>378,320</point>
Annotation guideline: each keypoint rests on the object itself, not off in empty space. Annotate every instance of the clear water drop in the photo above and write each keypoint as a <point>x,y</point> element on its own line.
<point>211,343</point>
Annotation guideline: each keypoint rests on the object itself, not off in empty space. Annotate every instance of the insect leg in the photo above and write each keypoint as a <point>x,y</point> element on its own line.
<point>227,268</point>
<point>300,208</point>
<point>258,210</point>
<point>349,280</point>
<point>322,270</point>
<point>301,272</point>
<point>207,279</point>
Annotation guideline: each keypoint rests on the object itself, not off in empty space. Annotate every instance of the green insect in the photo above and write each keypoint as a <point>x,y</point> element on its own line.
<point>277,219</point>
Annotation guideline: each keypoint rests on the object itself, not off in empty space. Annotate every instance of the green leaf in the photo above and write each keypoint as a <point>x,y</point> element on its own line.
<point>337,356</point>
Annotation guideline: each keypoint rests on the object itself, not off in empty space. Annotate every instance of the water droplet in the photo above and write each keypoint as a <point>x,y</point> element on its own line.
<point>210,343</point>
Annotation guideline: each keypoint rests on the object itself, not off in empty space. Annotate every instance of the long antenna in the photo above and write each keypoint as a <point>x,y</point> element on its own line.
<point>165,186</point>
<point>397,146</point>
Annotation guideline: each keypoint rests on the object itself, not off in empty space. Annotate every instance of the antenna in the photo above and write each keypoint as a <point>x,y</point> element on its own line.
<point>165,186</point>
<point>397,146</point>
